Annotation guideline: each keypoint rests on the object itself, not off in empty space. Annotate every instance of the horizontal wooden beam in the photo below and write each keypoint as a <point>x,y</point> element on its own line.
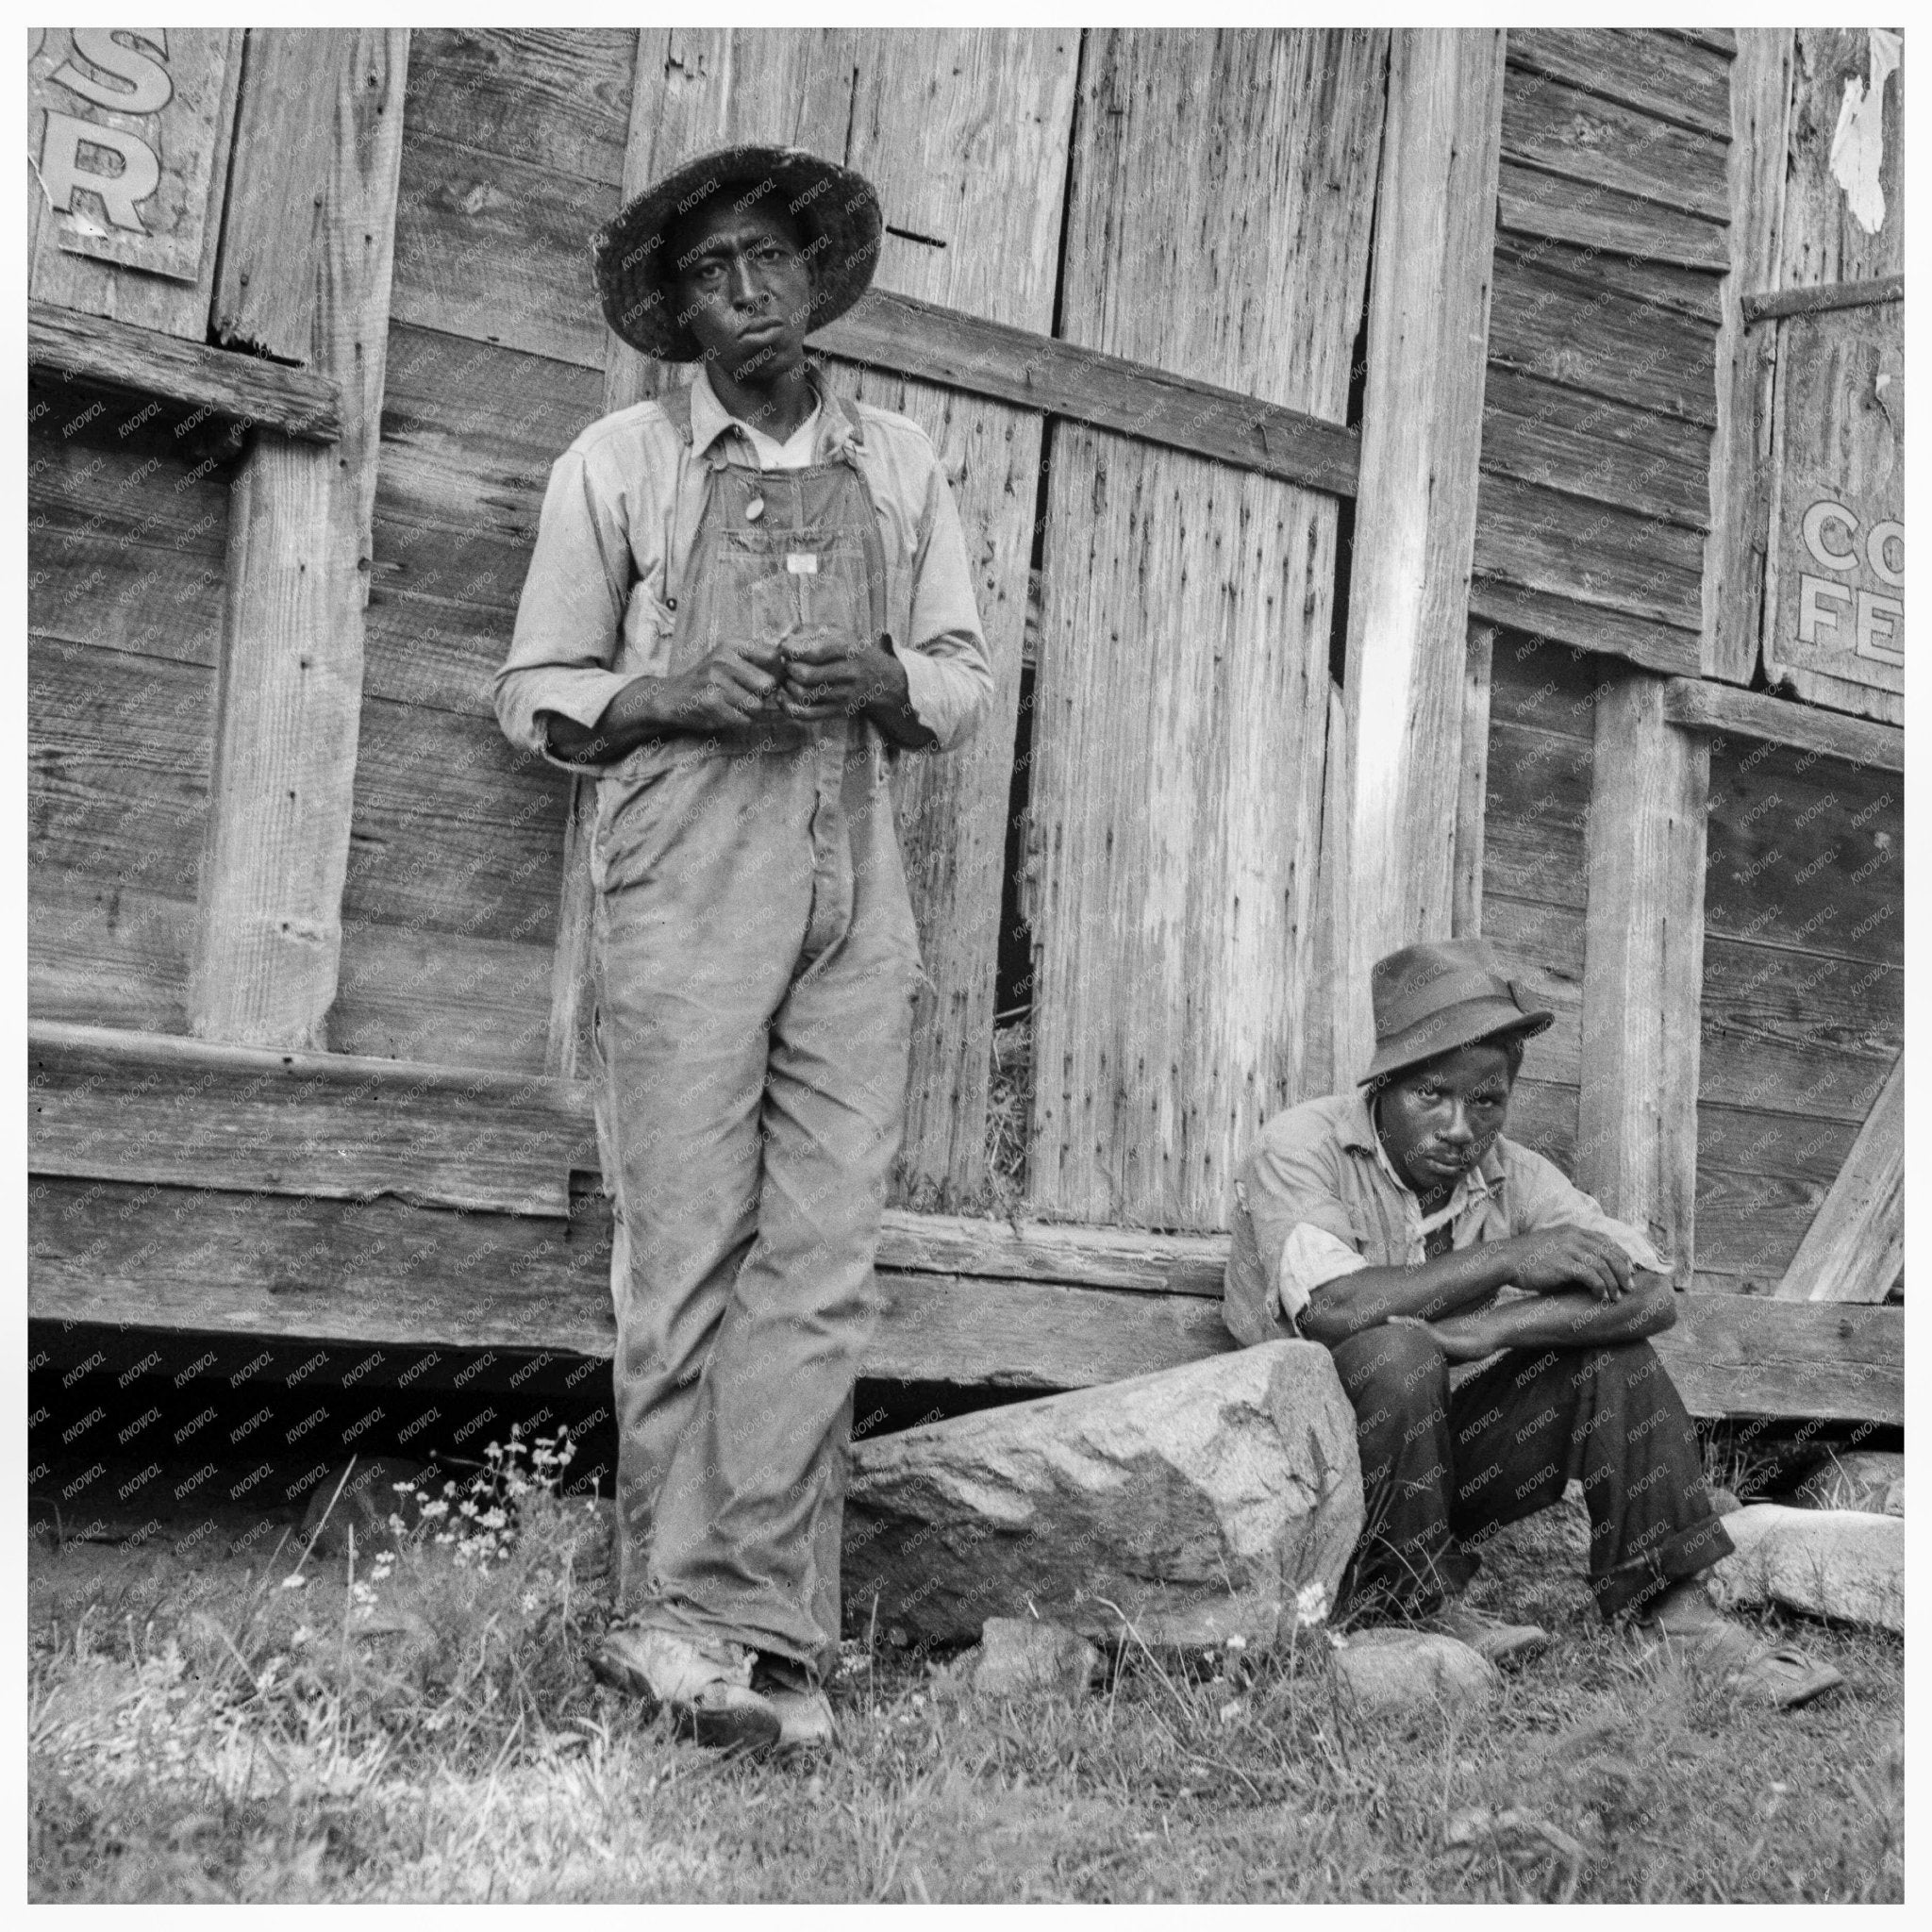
<point>1701,705</point>
<point>1748,1355</point>
<point>1567,620</point>
<point>384,1271</point>
<point>1035,372</point>
<point>1773,304</point>
<point>387,1272</point>
<point>1112,1257</point>
<point>98,353</point>
<point>106,1105</point>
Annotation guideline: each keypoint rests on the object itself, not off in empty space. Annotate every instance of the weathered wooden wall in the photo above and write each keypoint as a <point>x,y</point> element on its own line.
<point>1181,709</point>
<point>1184,709</point>
<point>126,535</point>
<point>512,151</point>
<point>1612,240</point>
<point>1804,994</point>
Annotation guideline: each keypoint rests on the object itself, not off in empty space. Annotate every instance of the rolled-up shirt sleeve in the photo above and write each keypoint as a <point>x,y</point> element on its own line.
<point>570,614</point>
<point>948,673</point>
<point>1542,1195</point>
<point>1300,1223</point>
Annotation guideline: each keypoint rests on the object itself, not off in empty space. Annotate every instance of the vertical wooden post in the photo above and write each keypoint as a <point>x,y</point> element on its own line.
<point>1415,512</point>
<point>268,927</point>
<point>1644,966</point>
<point>1741,449</point>
<point>1466,911</point>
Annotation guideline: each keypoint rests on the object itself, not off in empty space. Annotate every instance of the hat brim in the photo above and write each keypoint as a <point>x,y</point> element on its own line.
<point>835,210</point>
<point>1468,1024</point>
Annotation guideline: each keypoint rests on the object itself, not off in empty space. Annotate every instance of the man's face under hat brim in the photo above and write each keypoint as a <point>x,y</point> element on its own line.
<point>834,211</point>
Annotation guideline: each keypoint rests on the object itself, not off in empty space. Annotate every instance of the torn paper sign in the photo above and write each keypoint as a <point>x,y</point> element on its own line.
<point>1857,144</point>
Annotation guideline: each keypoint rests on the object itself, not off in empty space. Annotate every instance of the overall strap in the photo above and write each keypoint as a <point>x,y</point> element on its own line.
<point>686,506</point>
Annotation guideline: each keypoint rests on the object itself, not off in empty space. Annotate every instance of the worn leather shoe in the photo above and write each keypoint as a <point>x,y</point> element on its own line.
<point>805,1713</point>
<point>706,1686</point>
<point>1778,1674</point>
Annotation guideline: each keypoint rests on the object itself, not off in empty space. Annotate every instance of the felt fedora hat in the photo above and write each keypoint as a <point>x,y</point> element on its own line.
<point>1435,996</point>
<point>835,212</point>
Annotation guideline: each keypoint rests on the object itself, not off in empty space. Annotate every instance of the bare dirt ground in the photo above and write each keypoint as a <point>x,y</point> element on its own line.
<point>425,1729</point>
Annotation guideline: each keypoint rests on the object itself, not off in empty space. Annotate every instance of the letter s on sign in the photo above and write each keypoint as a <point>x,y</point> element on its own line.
<point>149,88</point>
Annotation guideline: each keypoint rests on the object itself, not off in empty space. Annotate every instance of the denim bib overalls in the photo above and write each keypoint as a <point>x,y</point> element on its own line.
<point>756,961</point>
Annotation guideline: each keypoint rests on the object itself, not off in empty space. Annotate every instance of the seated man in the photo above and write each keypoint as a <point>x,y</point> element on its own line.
<point>1401,1229</point>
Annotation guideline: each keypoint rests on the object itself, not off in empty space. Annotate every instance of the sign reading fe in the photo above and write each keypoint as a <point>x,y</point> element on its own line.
<point>124,128</point>
<point>1835,603</point>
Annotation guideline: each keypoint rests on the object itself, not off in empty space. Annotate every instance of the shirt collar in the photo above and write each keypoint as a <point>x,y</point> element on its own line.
<point>1475,1184</point>
<point>710,419</point>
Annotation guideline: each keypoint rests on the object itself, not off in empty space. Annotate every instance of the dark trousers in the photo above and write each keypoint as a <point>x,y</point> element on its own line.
<point>1439,1469</point>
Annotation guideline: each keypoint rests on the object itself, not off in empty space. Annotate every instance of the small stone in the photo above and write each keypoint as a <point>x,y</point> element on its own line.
<point>1021,1657</point>
<point>1722,1500</point>
<point>1844,1563</point>
<point>1383,1672</point>
<point>1866,1479</point>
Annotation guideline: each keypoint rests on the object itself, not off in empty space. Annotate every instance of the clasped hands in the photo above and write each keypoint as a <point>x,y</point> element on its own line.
<point>804,680</point>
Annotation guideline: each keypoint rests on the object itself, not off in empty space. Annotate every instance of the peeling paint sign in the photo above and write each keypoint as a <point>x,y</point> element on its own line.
<point>1857,144</point>
<point>1836,594</point>
<point>122,129</point>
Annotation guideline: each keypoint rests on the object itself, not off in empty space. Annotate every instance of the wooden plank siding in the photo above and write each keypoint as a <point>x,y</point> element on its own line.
<point>1613,240</point>
<point>1803,995</point>
<point>1182,699</point>
<point>496,352</point>
<point>1536,864</point>
<point>127,526</point>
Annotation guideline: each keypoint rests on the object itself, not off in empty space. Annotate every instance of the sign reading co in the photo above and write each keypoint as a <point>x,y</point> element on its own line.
<point>1833,610</point>
<point>124,129</point>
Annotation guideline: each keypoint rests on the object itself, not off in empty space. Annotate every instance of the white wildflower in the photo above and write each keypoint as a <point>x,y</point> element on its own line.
<point>1311,1602</point>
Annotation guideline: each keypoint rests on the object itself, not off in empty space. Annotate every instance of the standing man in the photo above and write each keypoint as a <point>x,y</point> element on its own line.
<point>745,598</point>
<point>1399,1227</point>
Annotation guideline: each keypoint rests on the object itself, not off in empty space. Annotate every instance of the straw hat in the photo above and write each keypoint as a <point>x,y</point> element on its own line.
<point>1438,995</point>
<point>835,213</point>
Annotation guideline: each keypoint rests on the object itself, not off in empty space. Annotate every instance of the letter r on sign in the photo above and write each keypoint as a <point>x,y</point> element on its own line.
<point>63,174</point>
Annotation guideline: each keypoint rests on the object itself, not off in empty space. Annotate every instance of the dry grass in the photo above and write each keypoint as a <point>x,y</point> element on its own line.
<point>203,1733</point>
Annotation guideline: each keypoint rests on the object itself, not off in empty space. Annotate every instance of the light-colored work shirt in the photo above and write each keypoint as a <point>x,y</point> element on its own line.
<point>1319,1198</point>
<point>619,521</point>
<point>794,452</point>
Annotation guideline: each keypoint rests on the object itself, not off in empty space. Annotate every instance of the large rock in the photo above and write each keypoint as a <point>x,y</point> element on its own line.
<point>1193,1504</point>
<point>1867,1479</point>
<point>1384,1673</point>
<point>1845,1563</point>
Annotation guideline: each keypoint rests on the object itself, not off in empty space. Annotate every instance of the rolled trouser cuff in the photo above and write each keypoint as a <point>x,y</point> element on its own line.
<point>1685,1552</point>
